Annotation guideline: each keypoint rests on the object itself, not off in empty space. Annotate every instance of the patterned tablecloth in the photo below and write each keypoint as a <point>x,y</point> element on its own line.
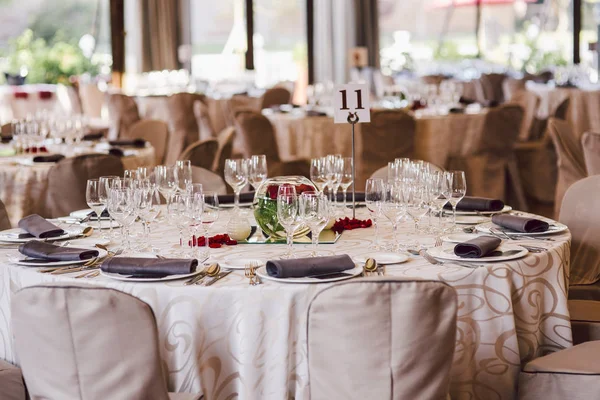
<point>23,187</point>
<point>231,340</point>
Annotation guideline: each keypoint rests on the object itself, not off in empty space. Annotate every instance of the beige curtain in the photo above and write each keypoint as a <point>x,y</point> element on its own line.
<point>367,17</point>
<point>159,34</point>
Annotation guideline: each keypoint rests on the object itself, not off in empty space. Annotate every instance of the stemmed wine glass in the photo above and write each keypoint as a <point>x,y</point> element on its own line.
<point>318,173</point>
<point>106,184</point>
<point>441,193</point>
<point>166,180</point>
<point>374,197</point>
<point>257,170</point>
<point>416,204</point>
<point>183,173</point>
<point>314,212</point>
<point>210,215</point>
<point>393,209</point>
<point>179,213</point>
<point>123,204</point>
<point>197,205</point>
<point>346,177</point>
<point>287,212</point>
<point>94,200</point>
<point>149,208</point>
<point>458,189</point>
<point>236,175</point>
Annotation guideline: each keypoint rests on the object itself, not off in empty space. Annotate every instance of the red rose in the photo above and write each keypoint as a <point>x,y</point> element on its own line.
<point>272,192</point>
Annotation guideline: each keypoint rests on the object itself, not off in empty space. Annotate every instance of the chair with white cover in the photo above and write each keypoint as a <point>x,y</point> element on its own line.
<point>407,356</point>
<point>210,181</point>
<point>573,374</point>
<point>12,386</point>
<point>202,153</point>
<point>590,142</point>
<point>4,220</point>
<point>154,131</point>
<point>82,342</point>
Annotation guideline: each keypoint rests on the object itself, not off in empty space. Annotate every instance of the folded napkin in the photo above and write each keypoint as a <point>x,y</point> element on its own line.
<point>478,247</point>
<point>457,110</point>
<point>313,113</point>
<point>360,196</point>
<point>247,197</point>
<point>51,158</point>
<point>303,267</point>
<point>39,227</point>
<point>51,252</point>
<point>93,136</point>
<point>149,266</point>
<point>128,142</point>
<point>115,151</point>
<point>469,203</point>
<point>520,224</point>
<point>467,101</point>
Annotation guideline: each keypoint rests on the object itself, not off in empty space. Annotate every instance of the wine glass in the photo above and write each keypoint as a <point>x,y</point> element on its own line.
<point>210,215</point>
<point>288,215</point>
<point>347,166</point>
<point>123,204</point>
<point>106,184</point>
<point>314,212</point>
<point>441,193</point>
<point>179,213</point>
<point>94,199</point>
<point>183,173</point>
<point>374,197</point>
<point>458,189</point>
<point>318,173</point>
<point>166,181</point>
<point>257,170</point>
<point>197,212</point>
<point>335,166</point>
<point>149,209</point>
<point>236,175</point>
<point>393,209</point>
<point>416,203</point>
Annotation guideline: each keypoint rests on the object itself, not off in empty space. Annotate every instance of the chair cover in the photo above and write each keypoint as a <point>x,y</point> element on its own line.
<point>590,142</point>
<point>511,86</point>
<point>68,178</point>
<point>202,153</point>
<point>4,220</point>
<point>530,102</point>
<point>275,96</point>
<point>123,113</point>
<point>573,374</point>
<point>584,310</point>
<point>83,342</point>
<point>381,339</point>
<point>570,159</point>
<point>154,131</point>
<point>435,79</point>
<point>202,114</point>
<point>225,139</point>
<point>182,123</point>
<point>219,115</point>
<point>492,87</point>
<point>562,110</point>
<point>210,181</point>
<point>11,382</point>
<point>92,99</point>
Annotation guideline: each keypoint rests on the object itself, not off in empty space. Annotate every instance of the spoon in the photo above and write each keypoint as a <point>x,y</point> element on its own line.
<point>212,271</point>
<point>371,266</point>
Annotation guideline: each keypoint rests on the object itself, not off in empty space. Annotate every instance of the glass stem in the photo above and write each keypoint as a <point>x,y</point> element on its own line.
<point>345,190</point>
<point>315,241</point>
<point>454,216</point>
<point>100,222</point>
<point>290,241</point>
<point>395,235</point>
<point>376,231</point>
<point>236,199</point>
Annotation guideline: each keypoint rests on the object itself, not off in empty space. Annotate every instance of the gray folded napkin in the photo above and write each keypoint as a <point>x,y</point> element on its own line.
<point>478,247</point>
<point>303,267</point>
<point>51,158</point>
<point>128,142</point>
<point>148,267</point>
<point>520,224</point>
<point>40,227</point>
<point>469,203</point>
<point>51,252</point>
<point>115,151</point>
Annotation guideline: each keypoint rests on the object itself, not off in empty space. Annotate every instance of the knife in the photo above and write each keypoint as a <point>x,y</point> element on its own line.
<point>218,277</point>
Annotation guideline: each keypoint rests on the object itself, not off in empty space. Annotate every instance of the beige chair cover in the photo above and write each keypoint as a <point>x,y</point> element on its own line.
<point>381,339</point>
<point>584,310</point>
<point>11,382</point>
<point>512,86</point>
<point>570,159</point>
<point>275,96</point>
<point>92,99</point>
<point>78,342</point>
<point>562,110</point>
<point>182,123</point>
<point>202,114</point>
<point>210,181</point>
<point>123,113</point>
<point>225,139</point>
<point>219,114</point>
<point>493,87</point>
<point>202,153</point>
<point>590,142</point>
<point>493,163</point>
<point>530,102</point>
<point>154,131</point>
<point>389,135</point>
<point>4,220</point>
<point>572,374</point>
<point>433,79</point>
<point>68,178</point>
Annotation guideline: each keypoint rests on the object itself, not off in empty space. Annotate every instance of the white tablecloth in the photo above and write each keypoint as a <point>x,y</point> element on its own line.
<point>235,341</point>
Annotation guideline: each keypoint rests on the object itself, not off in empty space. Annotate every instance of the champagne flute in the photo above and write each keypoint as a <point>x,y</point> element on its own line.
<point>257,170</point>
<point>314,212</point>
<point>106,184</point>
<point>346,177</point>
<point>287,213</point>
<point>210,215</point>
<point>236,175</point>
<point>374,197</point>
<point>94,200</point>
<point>458,189</point>
<point>183,173</point>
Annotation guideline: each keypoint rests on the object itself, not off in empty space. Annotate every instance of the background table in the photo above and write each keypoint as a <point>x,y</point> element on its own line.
<point>231,340</point>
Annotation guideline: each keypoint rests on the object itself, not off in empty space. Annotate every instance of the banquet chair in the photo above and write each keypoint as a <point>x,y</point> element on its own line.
<point>209,180</point>
<point>275,97</point>
<point>590,142</point>
<point>12,386</point>
<point>4,220</point>
<point>154,131</point>
<point>434,79</point>
<point>202,114</point>
<point>530,102</point>
<point>218,111</point>
<point>492,87</point>
<point>389,135</point>
<point>225,139</point>
<point>570,159</point>
<point>92,99</point>
<point>67,180</point>
<point>81,342</point>
<point>182,123</point>
<point>258,136</point>
<point>578,212</point>
<point>512,86</point>
<point>381,339</point>
<point>573,374</point>
<point>123,113</point>
<point>202,153</point>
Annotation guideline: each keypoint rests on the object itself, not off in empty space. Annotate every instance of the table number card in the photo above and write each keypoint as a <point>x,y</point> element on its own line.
<point>351,98</point>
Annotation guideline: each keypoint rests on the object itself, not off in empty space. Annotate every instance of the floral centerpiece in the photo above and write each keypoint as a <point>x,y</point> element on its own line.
<point>265,204</point>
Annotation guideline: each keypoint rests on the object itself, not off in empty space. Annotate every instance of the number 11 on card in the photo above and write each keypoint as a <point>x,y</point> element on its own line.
<point>351,98</point>
<point>359,105</point>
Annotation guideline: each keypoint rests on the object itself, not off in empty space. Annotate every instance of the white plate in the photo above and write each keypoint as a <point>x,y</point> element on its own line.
<point>231,205</point>
<point>471,219</point>
<point>15,260</point>
<point>262,273</point>
<point>30,163</point>
<point>383,258</point>
<point>459,212</point>
<point>120,277</point>
<point>240,263</point>
<point>7,236</point>
<point>555,227</point>
<point>447,253</point>
<point>459,237</point>
<point>81,214</point>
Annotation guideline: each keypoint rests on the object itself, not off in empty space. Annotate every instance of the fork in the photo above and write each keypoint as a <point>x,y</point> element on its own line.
<point>438,241</point>
<point>435,261</point>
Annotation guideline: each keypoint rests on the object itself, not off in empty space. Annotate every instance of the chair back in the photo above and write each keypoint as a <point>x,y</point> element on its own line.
<point>82,342</point>
<point>569,158</point>
<point>512,86</point>
<point>210,181</point>
<point>493,87</point>
<point>69,176</point>
<point>381,339</point>
<point>275,97</point>
<point>257,135</point>
<point>433,79</point>
<point>123,113</point>
<point>225,139</point>
<point>501,129</point>
<point>180,109</point>
<point>4,220</point>
<point>579,211</point>
<point>562,109</point>
<point>202,153</point>
<point>590,142</point>
<point>92,99</point>
<point>530,103</point>
<point>389,135</point>
<point>154,131</point>
<point>202,114</point>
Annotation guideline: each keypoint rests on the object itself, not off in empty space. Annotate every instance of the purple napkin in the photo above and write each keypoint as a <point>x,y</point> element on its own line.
<point>40,227</point>
<point>52,252</point>
<point>520,224</point>
<point>303,267</point>
<point>478,247</point>
<point>149,266</point>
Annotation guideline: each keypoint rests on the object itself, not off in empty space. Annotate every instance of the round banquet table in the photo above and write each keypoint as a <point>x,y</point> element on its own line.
<point>23,187</point>
<point>233,340</point>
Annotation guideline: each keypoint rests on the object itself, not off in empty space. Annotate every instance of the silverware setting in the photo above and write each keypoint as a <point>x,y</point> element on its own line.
<point>371,267</point>
<point>91,264</point>
<point>250,273</point>
<point>216,278</point>
<point>208,271</point>
<point>504,235</point>
<point>429,258</point>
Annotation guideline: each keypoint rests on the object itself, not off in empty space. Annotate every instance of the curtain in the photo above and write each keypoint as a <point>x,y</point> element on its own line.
<point>367,34</point>
<point>160,37</point>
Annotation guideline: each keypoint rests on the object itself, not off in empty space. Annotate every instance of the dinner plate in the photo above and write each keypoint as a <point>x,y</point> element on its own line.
<point>10,235</point>
<point>383,258</point>
<point>471,219</point>
<point>126,278</point>
<point>240,263</point>
<point>30,163</point>
<point>555,227</point>
<point>459,212</point>
<point>262,273</point>
<point>510,252</point>
<point>231,205</point>
<point>81,214</point>
<point>459,237</point>
<point>28,262</point>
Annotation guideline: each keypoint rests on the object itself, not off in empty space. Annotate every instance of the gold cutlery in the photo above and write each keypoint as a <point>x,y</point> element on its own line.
<point>217,278</point>
<point>370,266</point>
<point>211,270</point>
<point>250,273</point>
